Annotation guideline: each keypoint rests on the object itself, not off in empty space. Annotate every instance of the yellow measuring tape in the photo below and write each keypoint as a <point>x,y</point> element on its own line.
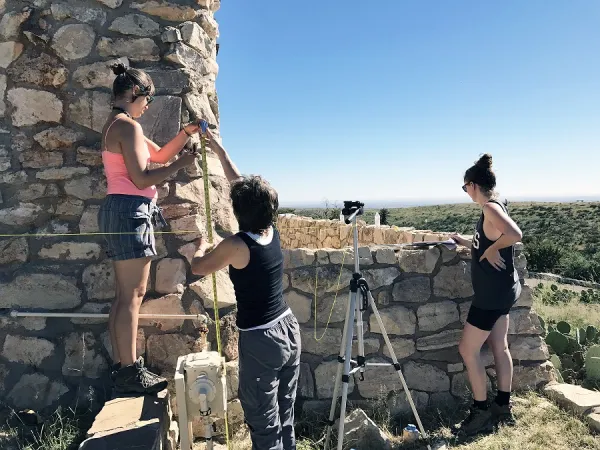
<point>209,231</point>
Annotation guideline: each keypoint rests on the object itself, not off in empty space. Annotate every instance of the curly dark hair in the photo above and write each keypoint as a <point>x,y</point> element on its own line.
<point>128,78</point>
<point>481,174</point>
<point>255,203</point>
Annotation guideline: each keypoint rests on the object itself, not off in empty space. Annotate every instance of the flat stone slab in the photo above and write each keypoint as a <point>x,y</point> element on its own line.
<point>575,398</point>
<point>593,420</point>
<point>126,423</point>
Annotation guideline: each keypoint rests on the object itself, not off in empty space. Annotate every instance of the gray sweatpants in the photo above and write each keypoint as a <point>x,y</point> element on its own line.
<point>269,368</point>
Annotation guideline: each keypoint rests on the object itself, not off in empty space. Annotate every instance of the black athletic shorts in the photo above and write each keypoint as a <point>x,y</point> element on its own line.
<point>485,319</point>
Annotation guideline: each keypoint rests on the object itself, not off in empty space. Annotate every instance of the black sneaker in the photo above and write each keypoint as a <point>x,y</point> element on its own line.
<point>136,379</point>
<point>502,414</point>
<point>478,421</point>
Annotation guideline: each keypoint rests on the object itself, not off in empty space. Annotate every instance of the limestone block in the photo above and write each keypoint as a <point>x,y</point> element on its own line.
<point>425,377</point>
<point>135,25</point>
<point>89,156</point>
<point>163,350</point>
<point>161,122</point>
<point>523,321</point>
<point>306,382</point>
<point>435,316</point>
<point>329,279</point>
<point>81,358</point>
<point>379,382</point>
<point>10,25</point>
<point>32,106</point>
<point>70,251</point>
<point>58,138</point>
<point>34,159</point>
<point>94,308</point>
<point>36,391</point>
<point>403,348</point>
<point>13,250</point>
<point>165,10</point>
<point>25,291</point>
<point>575,398</point>
<point>169,304</point>
<point>225,293</point>
<point>328,342</point>
<point>63,173</point>
<point>91,110</point>
<point>136,49</point>
<point>377,278</point>
<point>85,14</point>
<point>453,281</point>
<point>397,320</point>
<point>99,281</point>
<point>27,350</point>
<point>461,386</point>
<point>418,261</point>
<point>195,36</point>
<point>412,290</point>
<point>170,276</point>
<point>69,207</point>
<point>398,403</point>
<point>532,377</point>
<point>75,41</point>
<point>445,339</point>
<point>9,52</point>
<point>98,74</point>
<point>529,349</point>
<point>300,305</point>
<point>325,375</point>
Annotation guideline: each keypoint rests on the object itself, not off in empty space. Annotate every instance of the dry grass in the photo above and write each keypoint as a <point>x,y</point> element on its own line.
<point>540,425</point>
<point>62,431</point>
<point>576,313</point>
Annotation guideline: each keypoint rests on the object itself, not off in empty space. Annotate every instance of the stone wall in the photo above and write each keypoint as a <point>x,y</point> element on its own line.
<point>423,297</point>
<point>304,232</point>
<point>55,94</point>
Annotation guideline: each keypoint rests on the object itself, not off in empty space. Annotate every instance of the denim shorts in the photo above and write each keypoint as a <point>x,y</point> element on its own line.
<point>129,222</point>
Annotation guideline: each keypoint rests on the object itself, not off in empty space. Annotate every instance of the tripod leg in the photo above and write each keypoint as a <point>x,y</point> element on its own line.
<point>396,364</point>
<point>360,359</point>
<point>338,378</point>
<point>346,374</point>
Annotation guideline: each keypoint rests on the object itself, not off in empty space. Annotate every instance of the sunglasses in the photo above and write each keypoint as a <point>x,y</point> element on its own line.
<point>144,92</point>
<point>464,187</point>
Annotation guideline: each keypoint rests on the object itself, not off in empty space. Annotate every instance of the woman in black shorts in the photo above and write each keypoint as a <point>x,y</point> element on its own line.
<point>128,215</point>
<point>497,288</point>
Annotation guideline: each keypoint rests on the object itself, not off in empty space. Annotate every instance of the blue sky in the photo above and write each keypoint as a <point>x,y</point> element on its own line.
<point>394,99</point>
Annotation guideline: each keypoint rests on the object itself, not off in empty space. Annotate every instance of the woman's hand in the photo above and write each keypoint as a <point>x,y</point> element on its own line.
<point>460,240</point>
<point>494,258</point>
<point>191,128</point>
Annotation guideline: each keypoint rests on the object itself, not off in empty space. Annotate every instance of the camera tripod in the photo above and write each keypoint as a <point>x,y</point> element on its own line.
<point>354,312</point>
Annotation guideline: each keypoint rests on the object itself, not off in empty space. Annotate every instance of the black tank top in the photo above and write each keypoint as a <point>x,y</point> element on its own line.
<point>494,289</point>
<point>259,286</point>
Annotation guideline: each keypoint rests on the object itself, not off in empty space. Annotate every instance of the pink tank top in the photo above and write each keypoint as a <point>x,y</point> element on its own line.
<point>117,177</point>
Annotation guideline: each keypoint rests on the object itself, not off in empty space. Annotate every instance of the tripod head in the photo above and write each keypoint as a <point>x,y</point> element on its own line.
<point>351,210</point>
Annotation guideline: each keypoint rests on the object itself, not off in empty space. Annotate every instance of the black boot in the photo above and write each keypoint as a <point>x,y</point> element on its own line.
<point>136,379</point>
<point>478,421</point>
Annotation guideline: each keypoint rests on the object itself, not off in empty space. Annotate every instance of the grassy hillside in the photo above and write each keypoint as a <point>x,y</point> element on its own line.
<point>560,237</point>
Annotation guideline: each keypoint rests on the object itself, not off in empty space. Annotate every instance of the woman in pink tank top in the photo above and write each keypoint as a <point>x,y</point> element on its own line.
<point>128,215</point>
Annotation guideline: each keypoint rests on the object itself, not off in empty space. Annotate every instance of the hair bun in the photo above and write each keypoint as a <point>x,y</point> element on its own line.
<point>119,68</point>
<point>485,161</point>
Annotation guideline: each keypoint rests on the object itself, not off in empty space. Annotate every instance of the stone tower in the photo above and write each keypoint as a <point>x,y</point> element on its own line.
<point>55,94</point>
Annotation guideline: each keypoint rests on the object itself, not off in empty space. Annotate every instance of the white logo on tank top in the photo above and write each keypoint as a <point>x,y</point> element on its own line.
<point>476,240</point>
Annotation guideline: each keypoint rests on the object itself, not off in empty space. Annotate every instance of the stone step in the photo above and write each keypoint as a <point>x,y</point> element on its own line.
<point>131,422</point>
<point>574,398</point>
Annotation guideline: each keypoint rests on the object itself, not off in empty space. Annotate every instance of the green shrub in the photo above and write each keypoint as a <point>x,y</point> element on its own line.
<point>543,256</point>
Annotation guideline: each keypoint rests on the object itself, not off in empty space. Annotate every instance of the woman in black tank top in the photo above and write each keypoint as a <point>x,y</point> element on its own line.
<point>269,342</point>
<point>496,287</point>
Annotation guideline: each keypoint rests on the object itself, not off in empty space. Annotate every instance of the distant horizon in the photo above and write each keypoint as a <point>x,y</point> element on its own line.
<point>412,202</point>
